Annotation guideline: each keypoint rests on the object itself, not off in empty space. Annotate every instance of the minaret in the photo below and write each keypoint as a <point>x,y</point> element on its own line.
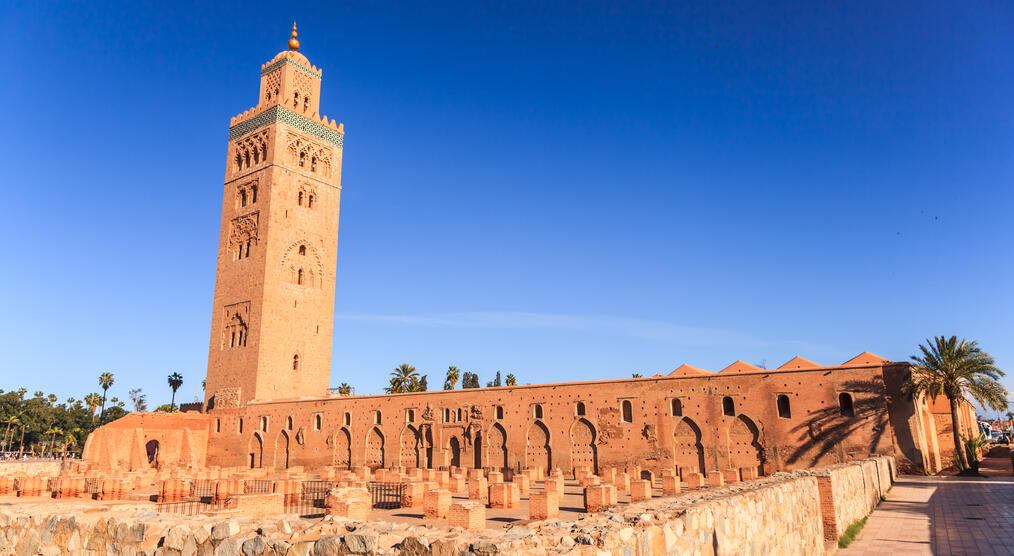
<point>273,309</point>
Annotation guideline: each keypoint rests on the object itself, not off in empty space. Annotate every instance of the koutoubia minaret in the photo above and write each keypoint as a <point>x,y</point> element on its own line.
<point>273,311</point>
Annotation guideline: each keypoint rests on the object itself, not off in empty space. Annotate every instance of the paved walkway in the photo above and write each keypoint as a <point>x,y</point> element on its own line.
<point>941,515</point>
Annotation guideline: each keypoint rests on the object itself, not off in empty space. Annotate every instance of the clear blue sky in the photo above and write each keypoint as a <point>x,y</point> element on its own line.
<point>563,191</point>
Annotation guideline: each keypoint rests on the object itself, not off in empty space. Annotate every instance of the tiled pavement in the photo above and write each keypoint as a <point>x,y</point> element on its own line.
<point>941,515</point>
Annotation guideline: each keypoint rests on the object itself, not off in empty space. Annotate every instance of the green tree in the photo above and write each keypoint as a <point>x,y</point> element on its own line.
<point>345,389</point>
<point>11,420</point>
<point>401,377</point>
<point>93,401</point>
<point>957,370</point>
<point>635,375</point>
<point>452,378</point>
<point>469,380</point>
<point>105,382</point>
<point>511,379</point>
<point>138,399</point>
<point>53,431</point>
<point>175,381</point>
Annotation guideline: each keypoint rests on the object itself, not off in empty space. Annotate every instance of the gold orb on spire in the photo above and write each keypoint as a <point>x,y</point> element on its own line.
<point>293,43</point>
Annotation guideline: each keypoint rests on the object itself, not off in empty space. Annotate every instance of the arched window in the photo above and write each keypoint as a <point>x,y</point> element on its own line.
<point>257,155</point>
<point>295,362</point>
<point>728,407</point>
<point>627,410</point>
<point>784,410</point>
<point>410,416</point>
<point>306,103</point>
<point>580,408</point>
<point>459,415</point>
<point>242,197</point>
<point>845,405</point>
<point>239,162</point>
<point>313,163</point>
<point>288,422</point>
<point>253,194</point>
<point>232,342</point>
<point>376,417</point>
<point>218,425</point>
<point>348,419</point>
<point>309,202</point>
<point>246,158</point>
<point>302,249</point>
<point>499,412</point>
<point>317,422</point>
<point>299,198</point>
<point>299,277</point>
<point>264,152</point>
<point>302,160</point>
<point>239,426</point>
<point>538,411</point>
<point>295,99</point>
<point>264,423</point>
<point>677,408</point>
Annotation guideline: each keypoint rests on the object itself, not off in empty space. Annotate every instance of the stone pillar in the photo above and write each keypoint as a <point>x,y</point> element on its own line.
<point>693,480</point>
<point>716,479</point>
<point>554,484</point>
<point>640,490</point>
<point>470,515</point>
<point>494,477</point>
<point>522,482</point>
<point>731,475</point>
<point>456,483</point>
<point>412,495</point>
<point>436,503</point>
<point>748,473</point>
<point>622,482</point>
<point>597,497</point>
<point>504,496</point>
<point>478,489</point>
<point>543,505</point>
<point>670,485</point>
<point>589,480</point>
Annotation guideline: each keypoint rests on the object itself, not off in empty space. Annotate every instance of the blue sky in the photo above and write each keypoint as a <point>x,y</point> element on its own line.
<point>565,191</point>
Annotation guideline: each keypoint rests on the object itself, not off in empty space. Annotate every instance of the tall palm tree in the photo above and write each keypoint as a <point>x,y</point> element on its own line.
<point>93,401</point>
<point>401,377</point>
<point>453,374</point>
<point>105,381</point>
<point>53,431</point>
<point>10,420</point>
<point>957,370</point>
<point>511,379</point>
<point>70,439</point>
<point>175,381</point>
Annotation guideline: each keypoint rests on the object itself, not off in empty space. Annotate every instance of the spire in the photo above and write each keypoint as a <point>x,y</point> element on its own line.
<point>293,43</point>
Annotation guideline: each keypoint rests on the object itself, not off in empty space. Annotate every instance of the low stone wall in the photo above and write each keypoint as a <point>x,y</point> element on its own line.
<point>780,514</point>
<point>849,492</point>
<point>29,468</point>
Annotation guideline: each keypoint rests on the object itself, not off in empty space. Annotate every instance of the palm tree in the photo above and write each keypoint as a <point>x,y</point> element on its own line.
<point>70,439</point>
<point>53,431</point>
<point>511,379</point>
<point>93,401</point>
<point>345,389</point>
<point>957,370</point>
<point>175,381</point>
<point>10,420</point>
<point>402,376</point>
<point>453,374</point>
<point>105,381</point>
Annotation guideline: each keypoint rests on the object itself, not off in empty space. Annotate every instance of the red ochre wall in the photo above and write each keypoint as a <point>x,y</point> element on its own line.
<point>815,433</point>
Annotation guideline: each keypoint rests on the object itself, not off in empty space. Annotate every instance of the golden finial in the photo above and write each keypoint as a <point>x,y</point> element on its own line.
<point>293,43</point>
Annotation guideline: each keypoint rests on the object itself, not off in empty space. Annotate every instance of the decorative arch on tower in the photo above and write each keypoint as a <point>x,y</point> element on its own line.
<point>302,255</point>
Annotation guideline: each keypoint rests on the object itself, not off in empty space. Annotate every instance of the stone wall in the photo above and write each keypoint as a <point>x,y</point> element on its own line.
<point>780,514</point>
<point>30,468</point>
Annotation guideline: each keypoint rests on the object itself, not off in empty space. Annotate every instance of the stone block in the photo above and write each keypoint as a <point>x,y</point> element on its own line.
<point>470,515</point>
<point>554,484</point>
<point>478,489</point>
<point>671,485</point>
<point>693,480</point>
<point>494,477</point>
<point>622,482</point>
<point>731,475</point>
<point>436,503</point>
<point>475,474</point>
<point>716,479</point>
<point>543,505</point>
<point>640,490</point>
<point>504,496</point>
<point>597,497</point>
<point>523,483</point>
<point>748,473</point>
<point>589,480</point>
<point>412,495</point>
<point>456,483</point>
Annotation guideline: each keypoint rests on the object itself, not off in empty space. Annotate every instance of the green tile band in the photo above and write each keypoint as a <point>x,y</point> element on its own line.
<point>289,118</point>
<point>301,67</point>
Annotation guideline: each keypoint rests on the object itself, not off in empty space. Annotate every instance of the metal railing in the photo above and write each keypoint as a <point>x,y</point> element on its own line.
<point>385,496</point>
<point>259,486</point>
